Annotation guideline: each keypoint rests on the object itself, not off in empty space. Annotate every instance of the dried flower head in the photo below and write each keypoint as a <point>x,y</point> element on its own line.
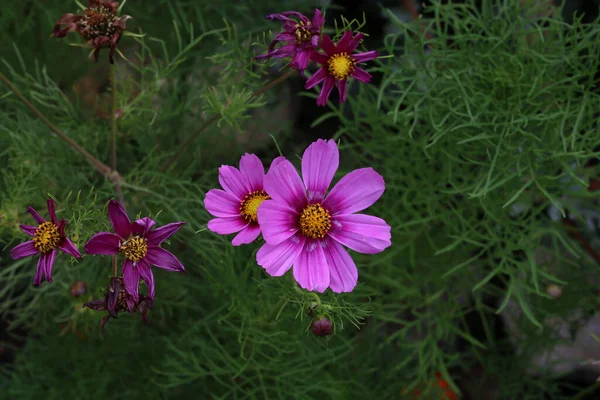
<point>301,38</point>
<point>236,207</point>
<point>78,289</point>
<point>48,238</point>
<point>99,26</point>
<point>306,228</point>
<point>139,244</point>
<point>117,300</point>
<point>339,64</point>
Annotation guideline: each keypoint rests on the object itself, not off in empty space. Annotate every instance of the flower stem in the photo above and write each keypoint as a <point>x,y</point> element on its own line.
<point>113,127</point>
<point>114,265</point>
<point>215,117</point>
<point>104,169</point>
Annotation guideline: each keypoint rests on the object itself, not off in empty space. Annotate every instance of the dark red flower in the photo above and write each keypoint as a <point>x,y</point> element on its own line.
<point>301,38</point>
<point>99,26</point>
<point>339,64</point>
<point>117,300</point>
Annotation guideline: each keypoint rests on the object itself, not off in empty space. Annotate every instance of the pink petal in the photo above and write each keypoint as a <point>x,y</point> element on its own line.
<point>325,91</point>
<point>142,226</point>
<point>277,221</point>
<point>316,78</point>
<point>327,45</point>
<point>364,57</point>
<point>310,269</point>
<point>341,85</point>
<point>52,211</point>
<point>39,272</point>
<point>355,192</point>
<point>361,75</point>
<point>253,171</point>
<point>159,235</point>
<point>105,243</point>
<point>362,233</point>
<point>284,37</point>
<point>28,229</point>
<point>164,259</point>
<point>318,19</point>
<point>24,250</point>
<point>320,161</point>
<point>35,215</point>
<point>301,59</point>
<point>320,58</point>
<point>233,182</point>
<point>69,247</point>
<point>354,43</point>
<point>119,219</point>
<point>246,235</point>
<point>342,269</point>
<point>344,42</point>
<point>147,276</point>
<point>48,263</point>
<point>225,226</point>
<point>219,203</point>
<point>131,279</point>
<point>276,260</point>
<point>283,184</point>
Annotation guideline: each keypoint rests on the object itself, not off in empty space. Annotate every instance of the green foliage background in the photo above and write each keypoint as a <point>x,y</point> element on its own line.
<point>476,132</point>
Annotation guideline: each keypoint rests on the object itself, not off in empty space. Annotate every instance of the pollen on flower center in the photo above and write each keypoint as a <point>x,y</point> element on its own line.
<point>249,206</point>
<point>340,66</point>
<point>302,33</point>
<point>134,249</point>
<point>315,221</point>
<point>97,21</point>
<point>46,237</point>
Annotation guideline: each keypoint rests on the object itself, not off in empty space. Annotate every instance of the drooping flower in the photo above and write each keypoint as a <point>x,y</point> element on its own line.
<point>140,246</point>
<point>306,227</point>
<point>99,26</point>
<point>301,38</point>
<point>116,300</point>
<point>339,64</point>
<point>48,238</point>
<point>237,205</point>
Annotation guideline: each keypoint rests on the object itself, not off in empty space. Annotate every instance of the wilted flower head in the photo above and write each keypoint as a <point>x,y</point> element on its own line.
<point>99,26</point>
<point>301,38</point>
<point>139,244</point>
<point>48,237</point>
<point>237,205</point>
<point>117,300</point>
<point>339,64</point>
<point>306,227</point>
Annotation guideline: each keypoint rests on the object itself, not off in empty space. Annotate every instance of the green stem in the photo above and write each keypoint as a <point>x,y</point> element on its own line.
<point>113,128</point>
<point>114,265</point>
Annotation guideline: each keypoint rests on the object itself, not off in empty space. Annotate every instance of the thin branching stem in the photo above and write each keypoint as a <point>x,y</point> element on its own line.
<point>113,118</point>
<point>215,118</point>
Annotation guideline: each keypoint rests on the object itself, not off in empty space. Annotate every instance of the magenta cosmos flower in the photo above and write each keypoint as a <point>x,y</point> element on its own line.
<point>99,26</point>
<point>306,228</point>
<point>48,237</point>
<point>301,38</point>
<point>339,64</point>
<point>237,205</point>
<point>139,244</point>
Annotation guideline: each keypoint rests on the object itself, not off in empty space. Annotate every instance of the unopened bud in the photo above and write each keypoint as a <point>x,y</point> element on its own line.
<point>322,327</point>
<point>554,291</point>
<point>78,288</point>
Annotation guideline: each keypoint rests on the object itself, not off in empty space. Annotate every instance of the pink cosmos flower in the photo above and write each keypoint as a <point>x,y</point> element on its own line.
<point>237,205</point>
<point>48,236</point>
<point>139,244</point>
<point>338,64</point>
<point>302,38</point>
<point>306,228</point>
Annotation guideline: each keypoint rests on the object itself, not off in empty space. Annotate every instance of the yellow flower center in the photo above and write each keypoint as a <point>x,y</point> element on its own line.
<point>315,221</point>
<point>134,249</point>
<point>97,21</point>
<point>340,66</point>
<point>302,33</point>
<point>249,206</point>
<point>46,237</point>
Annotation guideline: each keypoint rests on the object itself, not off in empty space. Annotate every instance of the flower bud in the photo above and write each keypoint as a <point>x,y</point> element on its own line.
<point>322,326</point>
<point>78,288</point>
<point>554,291</point>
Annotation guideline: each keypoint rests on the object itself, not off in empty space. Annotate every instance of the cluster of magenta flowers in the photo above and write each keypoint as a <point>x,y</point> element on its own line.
<point>303,223</point>
<point>138,242</point>
<point>302,43</point>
